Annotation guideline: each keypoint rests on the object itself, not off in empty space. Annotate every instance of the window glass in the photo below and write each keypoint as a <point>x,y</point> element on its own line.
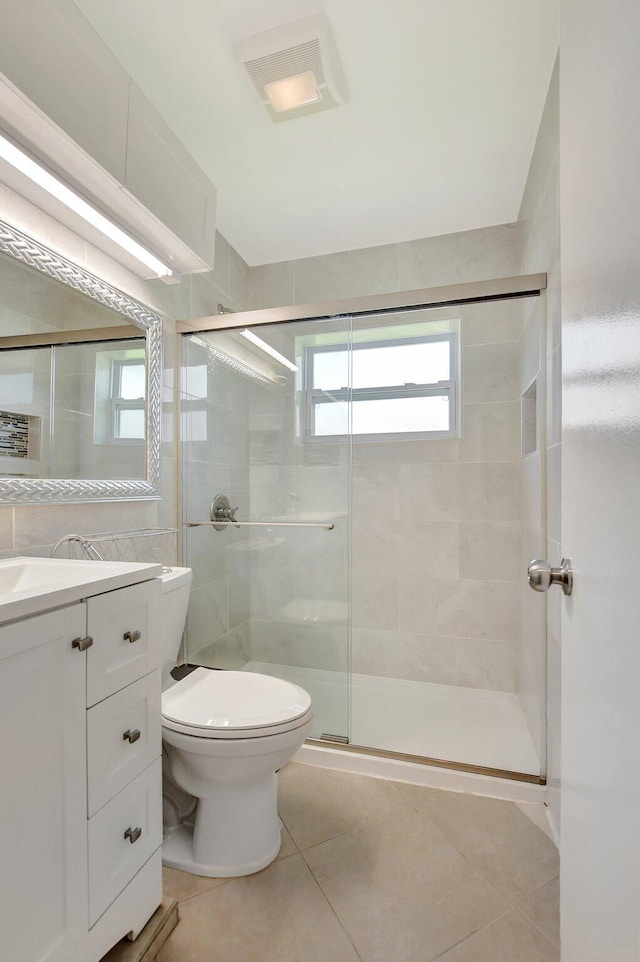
<point>331,369</point>
<point>130,423</point>
<point>387,366</point>
<point>132,381</point>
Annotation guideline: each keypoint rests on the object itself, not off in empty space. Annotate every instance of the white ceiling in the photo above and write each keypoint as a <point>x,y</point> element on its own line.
<point>445,101</point>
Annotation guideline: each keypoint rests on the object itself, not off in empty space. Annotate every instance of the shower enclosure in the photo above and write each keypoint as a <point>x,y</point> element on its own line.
<point>377,484</point>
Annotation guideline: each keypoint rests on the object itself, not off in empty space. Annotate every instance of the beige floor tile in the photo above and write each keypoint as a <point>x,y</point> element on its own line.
<point>316,804</point>
<point>288,845</point>
<point>510,939</point>
<point>538,814</point>
<point>184,885</point>
<point>277,915</point>
<point>495,835</point>
<point>401,891</point>
<point>543,908</point>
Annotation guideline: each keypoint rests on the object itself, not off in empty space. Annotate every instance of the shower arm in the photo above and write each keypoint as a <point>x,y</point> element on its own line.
<point>218,525</point>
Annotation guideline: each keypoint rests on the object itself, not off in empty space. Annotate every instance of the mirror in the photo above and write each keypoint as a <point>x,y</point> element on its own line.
<point>80,370</point>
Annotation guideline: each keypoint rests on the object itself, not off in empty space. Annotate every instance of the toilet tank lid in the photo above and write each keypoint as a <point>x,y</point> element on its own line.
<point>173,577</point>
<point>233,700</point>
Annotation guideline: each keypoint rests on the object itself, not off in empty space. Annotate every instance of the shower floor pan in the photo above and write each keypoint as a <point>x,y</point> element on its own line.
<point>462,725</point>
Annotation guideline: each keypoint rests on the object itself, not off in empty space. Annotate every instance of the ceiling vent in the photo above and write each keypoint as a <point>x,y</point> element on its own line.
<point>294,69</point>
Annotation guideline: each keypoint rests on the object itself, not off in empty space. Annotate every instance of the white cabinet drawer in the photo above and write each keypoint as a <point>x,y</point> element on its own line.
<point>122,836</point>
<point>124,736</point>
<point>124,626</point>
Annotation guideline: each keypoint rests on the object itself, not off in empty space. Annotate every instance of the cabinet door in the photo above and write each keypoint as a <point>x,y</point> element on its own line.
<point>54,56</point>
<point>123,738</point>
<point>124,625</point>
<point>122,837</point>
<point>43,828</point>
<point>164,177</point>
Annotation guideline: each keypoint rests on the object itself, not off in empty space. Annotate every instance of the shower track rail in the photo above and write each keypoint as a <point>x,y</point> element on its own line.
<point>259,524</point>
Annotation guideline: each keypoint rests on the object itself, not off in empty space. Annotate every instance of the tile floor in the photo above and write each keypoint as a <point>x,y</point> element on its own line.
<point>379,871</point>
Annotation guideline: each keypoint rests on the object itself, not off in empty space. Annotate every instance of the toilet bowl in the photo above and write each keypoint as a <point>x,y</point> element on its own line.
<point>225,734</point>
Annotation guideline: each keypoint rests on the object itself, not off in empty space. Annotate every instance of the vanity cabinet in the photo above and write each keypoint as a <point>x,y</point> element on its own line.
<point>80,756</point>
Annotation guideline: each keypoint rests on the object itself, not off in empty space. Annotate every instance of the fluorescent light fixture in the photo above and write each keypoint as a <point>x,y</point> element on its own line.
<point>40,176</point>
<point>292,92</point>
<point>271,351</point>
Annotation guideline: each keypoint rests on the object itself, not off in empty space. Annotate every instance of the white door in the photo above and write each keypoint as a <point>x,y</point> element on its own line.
<point>600,224</point>
<point>43,791</point>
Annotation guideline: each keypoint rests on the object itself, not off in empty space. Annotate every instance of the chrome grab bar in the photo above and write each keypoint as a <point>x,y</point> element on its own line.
<point>258,524</point>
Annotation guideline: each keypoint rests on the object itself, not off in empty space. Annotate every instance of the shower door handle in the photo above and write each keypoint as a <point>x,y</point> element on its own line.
<point>542,575</point>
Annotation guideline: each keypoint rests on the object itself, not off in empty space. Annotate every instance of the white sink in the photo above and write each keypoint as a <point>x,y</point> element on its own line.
<point>31,585</point>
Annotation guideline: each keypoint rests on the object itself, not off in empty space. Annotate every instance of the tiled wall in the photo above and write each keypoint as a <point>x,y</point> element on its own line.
<point>437,529</point>
<point>430,262</point>
<point>34,529</point>
<point>215,460</point>
<point>540,219</point>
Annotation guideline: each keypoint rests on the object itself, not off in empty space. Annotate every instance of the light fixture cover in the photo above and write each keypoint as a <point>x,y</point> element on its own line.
<point>277,61</point>
<point>39,175</point>
<point>293,92</point>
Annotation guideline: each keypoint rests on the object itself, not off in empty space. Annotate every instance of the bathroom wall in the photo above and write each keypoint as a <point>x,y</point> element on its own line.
<point>416,536</point>
<point>429,262</point>
<point>437,529</point>
<point>34,529</point>
<point>215,460</point>
<point>540,348</point>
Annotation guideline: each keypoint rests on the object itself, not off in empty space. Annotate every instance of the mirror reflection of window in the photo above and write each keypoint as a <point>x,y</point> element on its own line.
<point>127,399</point>
<point>120,394</point>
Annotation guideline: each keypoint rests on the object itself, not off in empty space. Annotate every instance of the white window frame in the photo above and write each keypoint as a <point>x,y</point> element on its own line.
<point>119,404</point>
<point>313,396</point>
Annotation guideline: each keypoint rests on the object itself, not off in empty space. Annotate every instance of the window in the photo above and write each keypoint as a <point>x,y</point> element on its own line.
<point>128,384</point>
<point>380,387</point>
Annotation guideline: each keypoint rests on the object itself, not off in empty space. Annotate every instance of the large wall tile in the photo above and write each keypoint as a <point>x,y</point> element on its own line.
<point>374,602</point>
<point>356,273</point>
<point>402,654</point>
<point>271,285</point>
<point>489,373</point>
<point>490,549</point>
<point>472,609</point>
<point>489,492</point>
<point>6,529</point>
<point>456,258</point>
<point>490,432</point>
<point>492,323</point>
<point>487,664</point>
<point>427,548</point>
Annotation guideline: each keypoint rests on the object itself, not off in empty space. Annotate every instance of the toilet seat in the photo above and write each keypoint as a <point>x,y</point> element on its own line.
<point>234,705</point>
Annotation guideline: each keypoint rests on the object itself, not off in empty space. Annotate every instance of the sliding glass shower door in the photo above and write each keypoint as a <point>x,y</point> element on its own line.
<point>270,593</point>
<point>386,471</point>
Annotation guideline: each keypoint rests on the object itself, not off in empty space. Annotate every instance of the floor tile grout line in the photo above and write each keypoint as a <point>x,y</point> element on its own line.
<point>321,842</point>
<point>532,921</point>
<point>329,903</point>
<point>475,932</point>
<point>196,895</point>
<point>535,925</point>
<point>509,898</point>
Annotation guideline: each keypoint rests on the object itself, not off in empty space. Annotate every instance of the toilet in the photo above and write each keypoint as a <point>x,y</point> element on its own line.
<point>225,735</point>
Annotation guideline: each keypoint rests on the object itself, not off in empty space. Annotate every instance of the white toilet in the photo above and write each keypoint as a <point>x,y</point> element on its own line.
<point>226,734</point>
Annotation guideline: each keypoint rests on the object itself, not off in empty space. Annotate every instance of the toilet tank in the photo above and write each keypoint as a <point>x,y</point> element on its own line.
<point>175,588</point>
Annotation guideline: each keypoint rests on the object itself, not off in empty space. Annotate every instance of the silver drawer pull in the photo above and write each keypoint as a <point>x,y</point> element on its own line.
<point>132,636</point>
<point>131,736</point>
<point>133,834</point>
<point>82,643</point>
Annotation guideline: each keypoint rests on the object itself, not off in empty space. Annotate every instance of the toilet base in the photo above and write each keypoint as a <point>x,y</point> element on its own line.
<point>177,852</point>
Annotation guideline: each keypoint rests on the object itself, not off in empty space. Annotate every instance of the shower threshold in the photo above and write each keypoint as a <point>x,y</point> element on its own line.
<point>472,728</point>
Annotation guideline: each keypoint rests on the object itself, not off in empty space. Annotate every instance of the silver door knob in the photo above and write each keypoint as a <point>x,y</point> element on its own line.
<point>542,575</point>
